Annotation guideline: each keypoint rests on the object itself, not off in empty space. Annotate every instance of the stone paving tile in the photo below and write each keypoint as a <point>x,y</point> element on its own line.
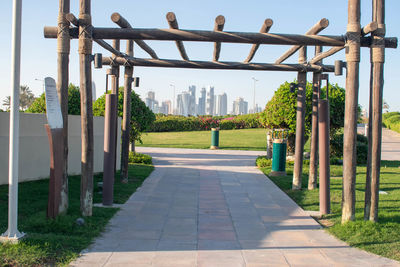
<point>214,208</point>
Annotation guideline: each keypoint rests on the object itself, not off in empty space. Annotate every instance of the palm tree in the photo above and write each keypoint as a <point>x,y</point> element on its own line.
<point>26,98</point>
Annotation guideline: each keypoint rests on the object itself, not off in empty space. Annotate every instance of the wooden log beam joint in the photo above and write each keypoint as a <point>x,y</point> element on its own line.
<point>173,24</point>
<point>264,29</point>
<point>218,26</point>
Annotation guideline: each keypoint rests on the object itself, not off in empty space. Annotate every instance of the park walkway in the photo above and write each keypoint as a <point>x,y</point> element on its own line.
<point>215,208</point>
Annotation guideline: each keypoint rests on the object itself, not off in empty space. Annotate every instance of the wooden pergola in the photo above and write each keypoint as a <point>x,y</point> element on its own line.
<point>371,36</point>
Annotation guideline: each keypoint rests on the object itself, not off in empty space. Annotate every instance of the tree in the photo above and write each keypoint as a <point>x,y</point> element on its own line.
<point>74,104</point>
<point>280,111</point>
<point>141,116</point>
<point>26,98</point>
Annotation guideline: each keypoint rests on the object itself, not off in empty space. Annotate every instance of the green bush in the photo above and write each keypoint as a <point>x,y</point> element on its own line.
<point>336,148</point>
<point>140,158</point>
<point>74,102</point>
<point>262,162</point>
<point>280,111</point>
<point>141,116</point>
<point>391,120</point>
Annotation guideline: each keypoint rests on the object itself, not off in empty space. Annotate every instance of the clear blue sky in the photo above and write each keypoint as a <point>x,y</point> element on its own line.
<point>39,56</point>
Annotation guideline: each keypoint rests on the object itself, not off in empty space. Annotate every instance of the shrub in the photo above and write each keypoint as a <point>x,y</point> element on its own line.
<point>141,116</point>
<point>336,147</point>
<point>262,162</point>
<point>140,158</point>
<point>74,102</point>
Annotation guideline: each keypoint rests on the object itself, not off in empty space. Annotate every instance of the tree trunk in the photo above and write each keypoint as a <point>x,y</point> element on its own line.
<point>63,50</point>
<point>85,51</point>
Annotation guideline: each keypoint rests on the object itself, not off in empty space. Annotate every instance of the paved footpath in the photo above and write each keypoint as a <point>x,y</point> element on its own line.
<point>390,143</point>
<point>215,208</point>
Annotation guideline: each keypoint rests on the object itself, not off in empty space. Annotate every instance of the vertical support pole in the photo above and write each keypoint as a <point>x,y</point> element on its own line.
<point>312,177</point>
<point>378,61</point>
<point>351,105</point>
<point>300,122</point>
<point>126,119</point>
<point>324,168</point>
<point>85,51</point>
<point>56,172</point>
<point>115,90</point>
<point>63,50</point>
<point>12,233</point>
<point>109,149</point>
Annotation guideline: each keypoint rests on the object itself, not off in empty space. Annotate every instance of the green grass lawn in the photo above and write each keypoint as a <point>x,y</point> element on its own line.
<point>59,241</point>
<point>243,139</point>
<point>381,238</point>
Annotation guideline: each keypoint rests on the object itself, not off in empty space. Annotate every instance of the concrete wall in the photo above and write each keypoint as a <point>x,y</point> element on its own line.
<point>34,159</point>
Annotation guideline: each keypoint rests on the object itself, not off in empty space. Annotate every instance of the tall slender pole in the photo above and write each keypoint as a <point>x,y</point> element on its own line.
<point>254,94</point>
<point>63,49</point>
<point>378,61</point>
<point>85,51</point>
<point>115,90</point>
<point>300,122</point>
<point>173,100</point>
<point>313,172</point>
<point>351,105</point>
<point>12,232</point>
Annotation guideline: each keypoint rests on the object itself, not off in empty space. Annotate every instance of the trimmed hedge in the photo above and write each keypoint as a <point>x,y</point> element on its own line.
<point>140,158</point>
<point>171,123</point>
<point>391,120</point>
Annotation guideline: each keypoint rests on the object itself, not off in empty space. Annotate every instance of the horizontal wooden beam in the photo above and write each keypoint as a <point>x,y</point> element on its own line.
<point>318,27</point>
<point>173,24</point>
<point>222,65</point>
<point>123,23</point>
<point>215,36</point>
<point>370,27</point>
<point>264,29</point>
<point>325,54</point>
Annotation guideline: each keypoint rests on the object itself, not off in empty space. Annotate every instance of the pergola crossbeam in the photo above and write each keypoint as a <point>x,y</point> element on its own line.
<point>264,29</point>
<point>218,26</point>
<point>223,37</point>
<point>318,27</point>
<point>173,24</point>
<point>226,65</point>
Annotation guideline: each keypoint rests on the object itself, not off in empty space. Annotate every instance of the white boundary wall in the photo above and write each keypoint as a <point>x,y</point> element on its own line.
<point>34,155</point>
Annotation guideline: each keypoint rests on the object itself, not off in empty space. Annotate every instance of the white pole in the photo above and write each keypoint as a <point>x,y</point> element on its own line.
<point>12,233</point>
<point>254,95</point>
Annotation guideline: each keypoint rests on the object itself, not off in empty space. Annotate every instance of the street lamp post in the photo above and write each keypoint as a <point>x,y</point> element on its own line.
<point>40,80</point>
<point>254,95</point>
<point>173,100</point>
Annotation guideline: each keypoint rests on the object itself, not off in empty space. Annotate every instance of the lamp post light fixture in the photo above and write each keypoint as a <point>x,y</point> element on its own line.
<point>40,80</point>
<point>254,95</point>
<point>173,99</point>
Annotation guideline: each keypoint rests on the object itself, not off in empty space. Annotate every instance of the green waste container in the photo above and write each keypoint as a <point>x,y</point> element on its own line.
<point>214,138</point>
<point>279,150</point>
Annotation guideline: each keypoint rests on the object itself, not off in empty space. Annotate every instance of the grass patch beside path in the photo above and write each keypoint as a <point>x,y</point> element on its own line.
<point>242,139</point>
<point>382,238</point>
<point>59,241</point>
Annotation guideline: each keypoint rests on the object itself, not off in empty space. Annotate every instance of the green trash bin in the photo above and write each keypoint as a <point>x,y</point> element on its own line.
<point>214,138</point>
<point>279,150</point>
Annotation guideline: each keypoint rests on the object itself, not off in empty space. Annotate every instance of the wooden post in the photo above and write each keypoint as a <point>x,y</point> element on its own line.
<point>173,24</point>
<point>115,90</point>
<point>351,106</point>
<point>126,119</point>
<point>85,51</point>
<point>313,174</point>
<point>300,121</point>
<point>63,50</point>
<point>367,194</point>
<point>218,26</point>
<point>378,61</point>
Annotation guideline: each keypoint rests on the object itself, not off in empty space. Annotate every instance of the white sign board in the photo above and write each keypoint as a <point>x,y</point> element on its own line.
<point>53,108</point>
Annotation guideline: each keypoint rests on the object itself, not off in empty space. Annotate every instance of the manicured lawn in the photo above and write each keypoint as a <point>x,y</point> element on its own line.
<point>381,238</point>
<point>59,241</point>
<point>243,139</point>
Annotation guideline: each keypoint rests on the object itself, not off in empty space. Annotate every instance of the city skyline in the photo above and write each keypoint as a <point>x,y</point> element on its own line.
<point>208,103</point>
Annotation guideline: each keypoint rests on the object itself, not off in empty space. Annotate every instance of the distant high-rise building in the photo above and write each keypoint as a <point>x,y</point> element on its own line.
<point>166,107</point>
<point>151,103</point>
<point>257,110</point>
<point>210,101</point>
<point>239,106</point>
<point>192,102</point>
<point>201,108</point>
<point>183,103</point>
<point>221,105</point>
